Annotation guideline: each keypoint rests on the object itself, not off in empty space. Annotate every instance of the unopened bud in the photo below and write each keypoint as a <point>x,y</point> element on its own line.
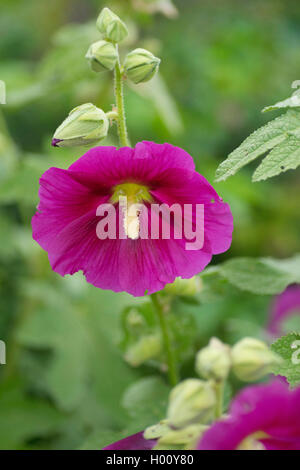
<point>184,287</point>
<point>192,401</point>
<point>214,361</point>
<point>252,359</point>
<point>102,56</point>
<point>146,348</point>
<point>157,430</point>
<point>141,65</point>
<point>104,18</point>
<point>111,26</point>
<point>181,439</point>
<point>85,125</point>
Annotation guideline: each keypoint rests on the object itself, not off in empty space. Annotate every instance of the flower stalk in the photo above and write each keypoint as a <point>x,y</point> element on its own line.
<point>219,389</point>
<point>124,141</point>
<point>170,356</point>
<point>121,122</point>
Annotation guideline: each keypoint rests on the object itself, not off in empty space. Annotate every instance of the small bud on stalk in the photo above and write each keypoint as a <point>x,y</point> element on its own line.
<point>111,26</point>
<point>141,65</point>
<point>192,401</point>
<point>184,287</point>
<point>85,125</point>
<point>146,348</point>
<point>214,361</point>
<point>252,359</point>
<point>102,56</point>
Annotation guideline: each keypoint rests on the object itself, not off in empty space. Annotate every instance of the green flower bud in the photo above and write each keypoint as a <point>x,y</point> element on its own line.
<point>192,401</point>
<point>116,30</point>
<point>85,125</point>
<point>104,18</point>
<point>252,359</point>
<point>157,430</point>
<point>111,26</point>
<point>181,439</point>
<point>184,287</point>
<point>146,348</point>
<point>140,65</point>
<point>134,319</point>
<point>102,56</point>
<point>214,361</point>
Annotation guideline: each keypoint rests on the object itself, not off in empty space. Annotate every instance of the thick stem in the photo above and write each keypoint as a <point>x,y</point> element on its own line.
<point>122,130</point>
<point>219,388</point>
<point>171,361</point>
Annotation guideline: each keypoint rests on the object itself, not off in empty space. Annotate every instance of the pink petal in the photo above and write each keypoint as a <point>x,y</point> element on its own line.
<point>134,442</point>
<point>284,305</point>
<point>272,409</point>
<point>66,221</point>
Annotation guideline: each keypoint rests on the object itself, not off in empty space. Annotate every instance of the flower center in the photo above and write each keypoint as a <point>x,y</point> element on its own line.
<point>131,197</point>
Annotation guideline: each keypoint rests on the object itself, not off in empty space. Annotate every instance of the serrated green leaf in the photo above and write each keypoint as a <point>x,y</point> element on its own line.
<point>285,156</point>
<point>288,348</point>
<point>262,140</point>
<point>261,275</point>
<point>295,133</point>
<point>291,102</point>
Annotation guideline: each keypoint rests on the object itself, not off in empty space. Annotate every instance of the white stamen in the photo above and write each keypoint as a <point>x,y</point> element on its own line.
<point>131,212</point>
<point>132,225</point>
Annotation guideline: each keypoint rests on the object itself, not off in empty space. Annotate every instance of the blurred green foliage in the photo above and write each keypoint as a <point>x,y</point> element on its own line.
<point>66,383</point>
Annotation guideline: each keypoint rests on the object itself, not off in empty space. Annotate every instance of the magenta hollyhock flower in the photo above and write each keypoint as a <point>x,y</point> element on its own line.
<point>133,442</point>
<point>261,416</point>
<point>284,306</point>
<point>65,223</point>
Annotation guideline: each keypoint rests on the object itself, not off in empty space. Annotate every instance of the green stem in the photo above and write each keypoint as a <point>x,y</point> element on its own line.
<point>124,141</point>
<point>122,130</point>
<point>172,368</point>
<point>219,388</point>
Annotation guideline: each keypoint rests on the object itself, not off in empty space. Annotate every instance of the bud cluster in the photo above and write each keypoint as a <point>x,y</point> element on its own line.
<point>194,404</point>
<point>249,359</point>
<point>87,124</point>
<point>140,65</point>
